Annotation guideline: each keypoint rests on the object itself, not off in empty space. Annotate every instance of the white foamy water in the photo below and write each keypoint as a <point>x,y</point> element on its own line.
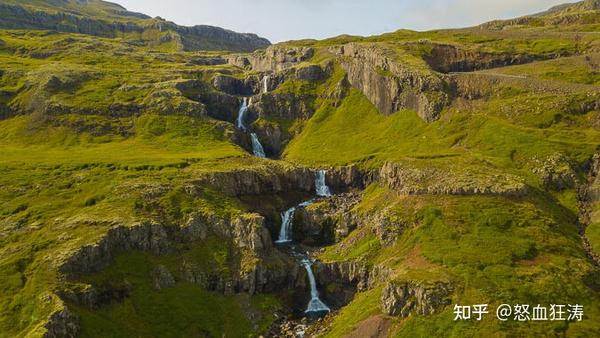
<point>285,233</point>
<point>241,114</point>
<point>315,304</point>
<point>321,186</point>
<point>257,148</point>
<point>265,83</point>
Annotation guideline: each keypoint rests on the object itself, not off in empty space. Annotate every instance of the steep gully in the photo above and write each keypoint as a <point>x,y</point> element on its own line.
<point>315,306</point>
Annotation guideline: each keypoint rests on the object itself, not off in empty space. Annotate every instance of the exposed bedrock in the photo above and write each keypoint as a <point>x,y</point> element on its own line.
<point>410,180</point>
<point>271,180</point>
<point>62,324</point>
<point>389,85</point>
<point>402,298</point>
<point>259,267</point>
<point>326,221</point>
<point>219,105</point>
<point>341,280</point>
<point>589,199</point>
<point>448,58</point>
<point>251,85</point>
<point>273,59</point>
<point>418,181</point>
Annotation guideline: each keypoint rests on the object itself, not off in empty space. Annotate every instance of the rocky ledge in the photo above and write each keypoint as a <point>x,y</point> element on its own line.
<point>402,298</point>
<point>390,85</point>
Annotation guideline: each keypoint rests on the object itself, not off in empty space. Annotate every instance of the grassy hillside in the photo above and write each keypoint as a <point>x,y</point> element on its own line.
<point>110,20</point>
<point>99,133</point>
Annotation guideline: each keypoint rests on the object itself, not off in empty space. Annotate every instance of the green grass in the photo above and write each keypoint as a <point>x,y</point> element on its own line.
<point>571,70</point>
<point>492,250</point>
<point>104,136</point>
<point>181,311</point>
<point>364,305</point>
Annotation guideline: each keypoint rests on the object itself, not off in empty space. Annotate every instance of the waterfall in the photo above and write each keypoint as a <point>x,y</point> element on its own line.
<point>257,148</point>
<point>315,304</point>
<point>265,83</point>
<point>321,186</point>
<point>286,226</point>
<point>241,114</point>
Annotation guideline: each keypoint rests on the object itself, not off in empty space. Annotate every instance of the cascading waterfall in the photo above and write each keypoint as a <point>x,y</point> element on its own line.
<point>257,148</point>
<point>286,226</point>
<point>315,305</point>
<point>321,186</point>
<point>241,114</point>
<point>265,83</point>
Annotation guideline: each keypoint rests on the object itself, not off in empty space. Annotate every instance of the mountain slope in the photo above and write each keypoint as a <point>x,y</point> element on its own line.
<point>463,165</point>
<point>105,19</point>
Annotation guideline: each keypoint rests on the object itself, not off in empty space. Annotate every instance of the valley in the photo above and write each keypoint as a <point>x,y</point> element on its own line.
<point>168,182</point>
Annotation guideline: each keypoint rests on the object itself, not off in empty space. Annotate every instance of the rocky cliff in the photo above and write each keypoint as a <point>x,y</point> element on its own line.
<point>388,84</point>
<point>75,18</point>
<point>448,58</point>
<point>410,297</point>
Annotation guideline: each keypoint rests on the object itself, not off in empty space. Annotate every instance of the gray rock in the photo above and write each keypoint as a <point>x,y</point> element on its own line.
<point>408,297</point>
<point>310,73</point>
<point>62,324</point>
<point>389,85</point>
<point>162,278</point>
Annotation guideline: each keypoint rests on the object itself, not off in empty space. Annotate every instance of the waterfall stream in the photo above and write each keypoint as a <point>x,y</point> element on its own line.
<point>315,305</point>
<point>265,83</point>
<point>257,148</point>
<point>240,119</point>
<point>320,185</point>
<point>286,226</point>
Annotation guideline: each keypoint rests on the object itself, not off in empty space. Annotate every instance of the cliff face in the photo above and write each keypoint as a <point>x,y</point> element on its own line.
<point>389,85</point>
<point>69,19</point>
<point>273,59</point>
<point>447,58</point>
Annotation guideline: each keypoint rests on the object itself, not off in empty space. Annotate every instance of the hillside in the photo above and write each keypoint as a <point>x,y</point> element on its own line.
<point>157,190</point>
<point>105,19</point>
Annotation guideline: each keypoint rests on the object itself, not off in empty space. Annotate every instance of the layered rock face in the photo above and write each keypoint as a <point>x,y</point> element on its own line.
<point>62,324</point>
<point>389,85</point>
<point>448,58</point>
<point>71,21</point>
<point>247,237</point>
<point>255,182</point>
<point>409,181</point>
<point>326,221</point>
<point>273,59</point>
<point>405,298</point>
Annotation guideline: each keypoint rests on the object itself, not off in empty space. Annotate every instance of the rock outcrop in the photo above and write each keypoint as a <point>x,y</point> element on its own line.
<point>326,221</point>
<point>273,59</point>
<point>556,172</point>
<point>388,84</point>
<point>268,180</point>
<point>162,278</point>
<point>448,58</point>
<point>418,181</point>
<point>62,324</point>
<point>84,20</point>
<point>409,297</point>
<point>343,279</point>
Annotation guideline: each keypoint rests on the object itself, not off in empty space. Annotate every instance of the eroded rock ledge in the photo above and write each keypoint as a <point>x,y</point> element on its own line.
<point>389,85</point>
<point>407,297</point>
<point>410,180</point>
